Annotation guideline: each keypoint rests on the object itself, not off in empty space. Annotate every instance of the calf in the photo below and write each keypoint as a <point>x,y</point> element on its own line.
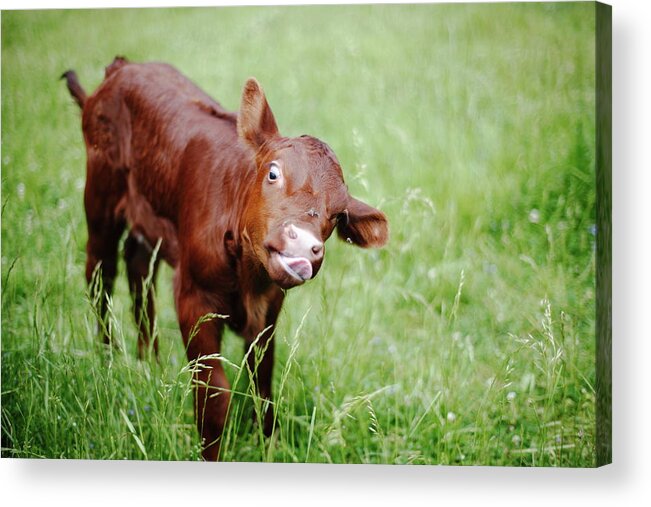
<point>241,212</point>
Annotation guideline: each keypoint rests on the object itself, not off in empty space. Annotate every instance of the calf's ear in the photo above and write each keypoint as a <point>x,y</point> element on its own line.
<point>363,225</point>
<point>255,122</point>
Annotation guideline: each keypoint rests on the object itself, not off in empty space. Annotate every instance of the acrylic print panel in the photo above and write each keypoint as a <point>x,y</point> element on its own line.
<point>479,130</point>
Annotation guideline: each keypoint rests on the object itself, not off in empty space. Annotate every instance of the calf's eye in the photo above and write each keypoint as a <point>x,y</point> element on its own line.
<point>274,172</point>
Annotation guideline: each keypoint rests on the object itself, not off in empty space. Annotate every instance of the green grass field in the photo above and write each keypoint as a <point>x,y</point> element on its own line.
<point>468,340</point>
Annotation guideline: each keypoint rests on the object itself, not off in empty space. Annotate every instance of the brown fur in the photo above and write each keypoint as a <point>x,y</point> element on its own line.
<point>170,164</point>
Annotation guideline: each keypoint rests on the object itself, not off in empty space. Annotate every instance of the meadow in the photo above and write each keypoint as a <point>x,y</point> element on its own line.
<point>468,340</point>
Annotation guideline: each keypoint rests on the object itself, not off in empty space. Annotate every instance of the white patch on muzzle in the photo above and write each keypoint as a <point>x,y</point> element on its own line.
<point>300,246</point>
<point>300,242</point>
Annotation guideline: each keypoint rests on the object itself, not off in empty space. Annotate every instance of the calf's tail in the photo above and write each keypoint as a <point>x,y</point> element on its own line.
<point>74,87</point>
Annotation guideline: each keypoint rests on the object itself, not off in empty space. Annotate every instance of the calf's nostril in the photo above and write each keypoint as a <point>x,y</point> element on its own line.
<point>292,233</point>
<point>316,249</point>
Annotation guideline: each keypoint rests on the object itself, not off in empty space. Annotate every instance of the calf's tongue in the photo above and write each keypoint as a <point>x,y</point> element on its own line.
<point>300,266</point>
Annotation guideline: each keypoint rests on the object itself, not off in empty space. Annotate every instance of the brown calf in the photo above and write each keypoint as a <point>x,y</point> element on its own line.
<point>242,213</point>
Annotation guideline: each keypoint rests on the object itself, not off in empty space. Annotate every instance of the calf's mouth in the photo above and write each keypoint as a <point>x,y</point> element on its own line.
<point>299,268</point>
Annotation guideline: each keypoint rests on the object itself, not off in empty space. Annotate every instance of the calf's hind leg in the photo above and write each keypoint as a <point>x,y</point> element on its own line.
<point>138,257</point>
<point>101,257</point>
<point>104,230</point>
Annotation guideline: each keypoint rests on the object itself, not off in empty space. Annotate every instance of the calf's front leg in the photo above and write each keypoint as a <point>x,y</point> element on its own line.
<point>259,333</point>
<point>261,369</point>
<point>211,387</point>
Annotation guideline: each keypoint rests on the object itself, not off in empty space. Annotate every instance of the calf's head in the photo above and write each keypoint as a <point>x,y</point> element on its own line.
<point>298,198</point>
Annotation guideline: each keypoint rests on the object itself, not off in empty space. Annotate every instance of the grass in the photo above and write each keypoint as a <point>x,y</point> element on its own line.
<point>468,340</point>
